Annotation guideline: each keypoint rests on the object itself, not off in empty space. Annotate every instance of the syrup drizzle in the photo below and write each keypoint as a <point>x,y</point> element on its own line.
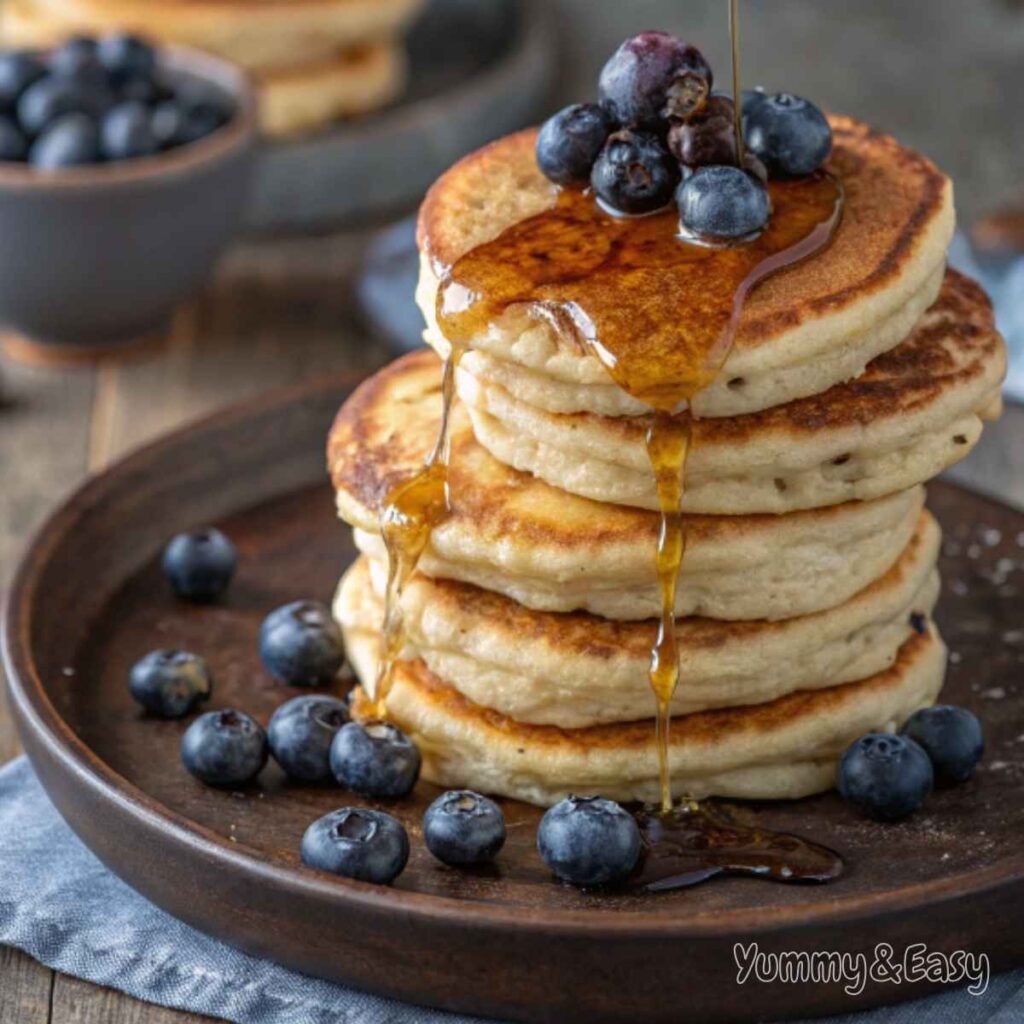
<point>410,512</point>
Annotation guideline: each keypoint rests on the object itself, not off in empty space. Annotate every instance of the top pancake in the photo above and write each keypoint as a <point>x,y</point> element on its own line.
<point>260,35</point>
<point>802,330</point>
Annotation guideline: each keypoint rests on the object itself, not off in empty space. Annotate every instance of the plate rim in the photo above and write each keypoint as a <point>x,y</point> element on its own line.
<point>35,713</point>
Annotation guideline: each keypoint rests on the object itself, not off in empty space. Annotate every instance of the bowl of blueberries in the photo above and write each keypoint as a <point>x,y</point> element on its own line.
<point>123,175</point>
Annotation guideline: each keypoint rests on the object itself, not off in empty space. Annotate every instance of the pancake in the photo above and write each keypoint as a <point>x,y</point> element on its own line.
<point>259,35</point>
<point>782,750</point>
<point>582,670</point>
<point>802,331</point>
<point>314,95</point>
<point>514,534</point>
<point>912,413</point>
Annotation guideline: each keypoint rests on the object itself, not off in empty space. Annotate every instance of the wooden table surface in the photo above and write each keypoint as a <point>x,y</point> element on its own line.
<point>277,313</point>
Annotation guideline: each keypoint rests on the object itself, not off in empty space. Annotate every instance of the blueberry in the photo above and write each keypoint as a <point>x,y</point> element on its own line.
<point>589,840</point>
<point>462,827</point>
<point>224,748</point>
<point>78,61</point>
<point>723,203</point>
<point>370,846</point>
<point>376,759</point>
<point>204,109</point>
<point>653,77</point>
<point>69,141</point>
<point>300,734</point>
<point>569,142</point>
<point>127,57</point>
<point>885,776</point>
<point>634,174</point>
<point>708,137</point>
<point>199,564</point>
<point>952,739</point>
<point>138,90</point>
<point>301,644</point>
<point>18,70</point>
<point>127,132</point>
<point>790,135</point>
<point>170,683</point>
<point>48,99</point>
<point>168,123</point>
<point>12,143</point>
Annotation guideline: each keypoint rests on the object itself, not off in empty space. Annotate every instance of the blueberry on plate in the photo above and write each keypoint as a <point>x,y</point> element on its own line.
<point>18,70</point>
<point>70,141</point>
<point>462,827</point>
<point>199,564</point>
<point>569,142</point>
<point>127,57</point>
<point>589,840</point>
<point>170,683</point>
<point>13,146</point>
<point>653,77</point>
<point>301,644</point>
<point>634,174</point>
<point>48,99</point>
<point>952,739</point>
<point>723,203</point>
<point>789,134</point>
<point>376,759</point>
<point>885,776</point>
<point>224,748</point>
<point>300,734</point>
<point>370,846</point>
<point>127,132</point>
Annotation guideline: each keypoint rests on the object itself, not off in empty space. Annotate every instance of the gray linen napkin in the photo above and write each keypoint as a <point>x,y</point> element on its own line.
<point>60,905</point>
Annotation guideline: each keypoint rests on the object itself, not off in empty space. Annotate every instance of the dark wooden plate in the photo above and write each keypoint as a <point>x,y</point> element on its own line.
<point>89,599</point>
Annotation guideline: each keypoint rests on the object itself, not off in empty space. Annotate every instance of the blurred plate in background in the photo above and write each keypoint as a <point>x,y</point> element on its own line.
<point>477,71</point>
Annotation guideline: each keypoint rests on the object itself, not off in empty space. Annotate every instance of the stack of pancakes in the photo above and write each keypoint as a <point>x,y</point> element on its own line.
<point>313,60</point>
<point>805,598</point>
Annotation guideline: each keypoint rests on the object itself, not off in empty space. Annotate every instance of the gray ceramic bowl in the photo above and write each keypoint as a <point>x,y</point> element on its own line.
<point>97,257</point>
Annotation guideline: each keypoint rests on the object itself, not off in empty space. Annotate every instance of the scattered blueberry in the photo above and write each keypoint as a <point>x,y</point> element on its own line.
<point>12,143</point>
<point>589,841</point>
<point>634,174</point>
<point>69,141</point>
<point>170,683</point>
<point>723,203</point>
<point>199,564</point>
<point>224,748</point>
<point>376,759</point>
<point>127,132</point>
<point>951,737</point>
<point>790,135</point>
<point>570,141</point>
<point>885,776</point>
<point>370,846</point>
<point>48,99</point>
<point>126,57</point>
<point>300,734</point>
<point>752,98</point>
<point>18,70</point>
<point>301,644</point>
<point>654,77</point>
<point>462,827</point>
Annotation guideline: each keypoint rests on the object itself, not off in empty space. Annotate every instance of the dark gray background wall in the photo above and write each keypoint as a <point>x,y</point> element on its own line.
<point>945,76</point>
